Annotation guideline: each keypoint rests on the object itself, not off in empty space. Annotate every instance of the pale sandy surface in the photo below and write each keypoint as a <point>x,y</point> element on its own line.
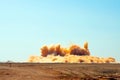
<point>59,71</point>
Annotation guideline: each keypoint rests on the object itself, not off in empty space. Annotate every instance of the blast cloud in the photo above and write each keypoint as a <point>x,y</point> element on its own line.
<point>73,54</point>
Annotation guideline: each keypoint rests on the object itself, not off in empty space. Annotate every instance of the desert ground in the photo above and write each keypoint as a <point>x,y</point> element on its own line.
<point>59,71</point>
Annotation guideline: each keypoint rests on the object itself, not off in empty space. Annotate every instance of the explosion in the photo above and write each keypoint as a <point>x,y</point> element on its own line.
<point>73,54</point>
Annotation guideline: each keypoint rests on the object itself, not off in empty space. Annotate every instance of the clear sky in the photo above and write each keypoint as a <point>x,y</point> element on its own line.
<point>26,25</point>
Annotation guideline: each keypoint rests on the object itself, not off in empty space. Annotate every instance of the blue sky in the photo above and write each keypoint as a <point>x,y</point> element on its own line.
<point>26,25</point>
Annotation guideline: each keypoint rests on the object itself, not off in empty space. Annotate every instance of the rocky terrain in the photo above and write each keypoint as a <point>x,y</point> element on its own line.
<point>59,71</point>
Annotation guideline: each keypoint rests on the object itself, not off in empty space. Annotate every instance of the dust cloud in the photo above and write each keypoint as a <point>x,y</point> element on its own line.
<point>72,54</point>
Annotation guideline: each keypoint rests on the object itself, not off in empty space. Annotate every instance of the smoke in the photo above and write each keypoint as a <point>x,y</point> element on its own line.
<point>72,54</point>
<point>58,50</point>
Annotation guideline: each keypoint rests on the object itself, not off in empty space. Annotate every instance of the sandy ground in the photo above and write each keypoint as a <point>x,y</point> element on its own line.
<point>59,71</point>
